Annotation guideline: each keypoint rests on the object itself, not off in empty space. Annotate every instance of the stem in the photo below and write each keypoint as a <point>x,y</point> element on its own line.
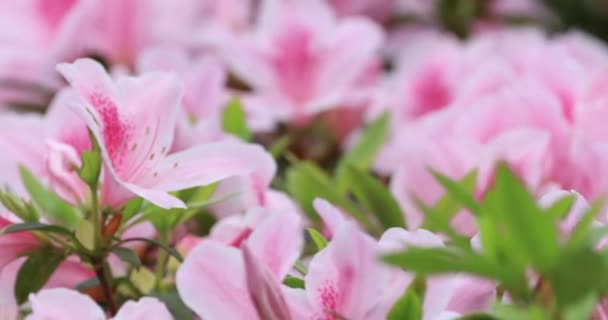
<point>101,271</point>
<point>96,220</point>
<point>161,262</point>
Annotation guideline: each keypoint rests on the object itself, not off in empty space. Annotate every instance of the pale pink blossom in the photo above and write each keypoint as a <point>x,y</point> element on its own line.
<point>300,60</point>
<point>52,304</point>
<point>275,242</point>
<point>134,122</point>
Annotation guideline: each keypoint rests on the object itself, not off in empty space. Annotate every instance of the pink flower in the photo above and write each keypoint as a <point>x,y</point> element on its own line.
<point>134,122</point>
<point>205,95</point>
<point>50,304</point>
<point>33,26</point>
<point>275,244</point>
<point>380,10</point>
<point>301,60</point>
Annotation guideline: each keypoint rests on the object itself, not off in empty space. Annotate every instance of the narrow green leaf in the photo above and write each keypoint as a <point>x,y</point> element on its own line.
<point>132,208</point>
<point>578,273</point>
<point>87,284</point>
<point>461,191</point>
<point>437,221</point>
<point>169,250</point>
<point>525,228</point>
<point>364,152</point>
<point>35,272</point>
<point>175,305</point>
<point>294,282</point>
<point>278,147</point>
<point>582,229</point>
<point>306,182</point>
<point>409,307</point>
<point>52,206</point>
<point>127,255</point>
<point>375,198</point>
<point>560,208</point>
<point>91,168</point>
<point>35,226</point>
<point>22,209</point>
<point>234,120</point>
<point>317,238</point>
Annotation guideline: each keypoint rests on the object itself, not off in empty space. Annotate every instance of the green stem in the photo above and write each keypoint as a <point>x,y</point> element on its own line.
<point>96,220</point>
<point>161,262</point>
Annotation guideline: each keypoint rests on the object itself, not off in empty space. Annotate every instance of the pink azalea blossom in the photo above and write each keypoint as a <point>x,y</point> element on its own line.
<point>275,243</point>
<point>300,60</point>
<point>134,122</point>
<point>50,304</point>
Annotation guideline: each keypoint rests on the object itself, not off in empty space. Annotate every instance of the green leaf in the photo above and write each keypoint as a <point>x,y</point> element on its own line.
<point>169,250</point>
<point>234,120</point>
<point>36,271</point>
<point>127,255</point>
<point>52,206</point>
<point>525,229</point>
<point>91,168</point>
<point>294,282</point>
<point>175,305</point>
<point>364,152</point>
<point>431,261</point>
<point>317,238</point>
<point>582,309</point>
<point>478,316</point>
<point>461,191</point>
<point>560,208</point>
<point>35,226</point>
<point>409,307</point>
<point>88,284</point>
<point>578,273</point>
<point>22,209</point>
<point>278,147</point>
<point>132,208</point>
<point>85,233</point>
<point>374,197</point>
<point>438,221</point>
<point>583,227</point>
<point>306,182</point>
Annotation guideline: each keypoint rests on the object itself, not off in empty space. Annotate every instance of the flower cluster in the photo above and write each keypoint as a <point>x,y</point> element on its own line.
<point>300,159</point>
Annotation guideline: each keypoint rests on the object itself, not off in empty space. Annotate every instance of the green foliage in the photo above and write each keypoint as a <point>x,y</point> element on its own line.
<point>91,168</point>
<point>23,209</point>
<point>36,271</point>
<point>170,251</point>
<point>85,234</point>
<point>294,282</point>
<point>127,255</point>
<point>374,197</point>
<point>51,205</point>
<point>362,155</point>
<point>519,239</point>
<point>35,226</point>
<point>318,239</point>
<point>409,306</point>
<point>234,120</point>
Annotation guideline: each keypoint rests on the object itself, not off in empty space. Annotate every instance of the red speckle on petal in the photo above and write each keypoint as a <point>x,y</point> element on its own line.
<point>329,301</point>
<point>116,132</point>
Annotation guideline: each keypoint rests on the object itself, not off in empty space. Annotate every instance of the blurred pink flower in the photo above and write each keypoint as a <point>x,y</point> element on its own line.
<point>275,244</point>
<point>50,304</point>
<point>300,60</point>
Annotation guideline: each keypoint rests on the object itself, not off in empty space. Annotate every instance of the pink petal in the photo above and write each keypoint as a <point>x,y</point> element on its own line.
<point>264,288</point>
<point>346,277</point>
<point>145,309</point>
<point>52,304</point>
<point>277,242</point>
<point>14,244</point>
<point>204,287</point>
